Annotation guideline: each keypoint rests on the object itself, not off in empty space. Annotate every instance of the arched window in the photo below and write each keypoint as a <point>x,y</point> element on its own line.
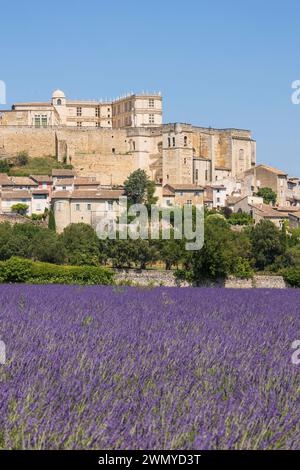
<point>185,141</point>
<point>58,102</point>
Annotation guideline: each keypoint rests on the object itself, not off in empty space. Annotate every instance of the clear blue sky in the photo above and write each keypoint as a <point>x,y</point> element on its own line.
<point>221,63</point>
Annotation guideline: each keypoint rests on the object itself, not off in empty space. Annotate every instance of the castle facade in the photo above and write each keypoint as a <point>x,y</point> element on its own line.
<point>110,140</point>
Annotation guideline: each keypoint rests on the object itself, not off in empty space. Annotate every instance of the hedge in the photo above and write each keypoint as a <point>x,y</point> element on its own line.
<point>23,270</point>
<point>292,276</point>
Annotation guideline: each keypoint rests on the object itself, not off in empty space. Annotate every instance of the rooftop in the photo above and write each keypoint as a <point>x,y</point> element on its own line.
<point>272,169</point>
<point>16,194</point>
<point>63,172</point>
<point>90,194</point>
<point>41,178</point>
<point>268,211</point>
<point>184,187</point>
<point>23,181</point>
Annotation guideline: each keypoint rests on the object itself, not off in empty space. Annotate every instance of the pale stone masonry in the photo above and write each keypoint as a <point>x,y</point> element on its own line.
<point>128,111</point>
<point>111,139</point>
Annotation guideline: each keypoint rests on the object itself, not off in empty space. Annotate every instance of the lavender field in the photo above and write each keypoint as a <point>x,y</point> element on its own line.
<point>117,368</point>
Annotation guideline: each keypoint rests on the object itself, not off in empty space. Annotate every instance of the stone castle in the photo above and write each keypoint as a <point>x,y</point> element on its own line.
<point>110,139</point>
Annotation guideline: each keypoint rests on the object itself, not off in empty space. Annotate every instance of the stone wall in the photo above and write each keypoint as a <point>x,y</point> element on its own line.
<point>148,278</point>
<point>166,152</point>
<point>166,278</point>
<point>37,142</point>
<point>16,219</point>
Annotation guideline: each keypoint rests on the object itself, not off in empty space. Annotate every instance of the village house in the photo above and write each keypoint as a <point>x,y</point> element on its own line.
<point>294,219</point>
<point>264,176</point>
<point>85,206</point>
<point>24,182</point>
<point>217,195</point>
<point>293,192</point>
<point>5,182</point>
<point>181,194</point>
<point>265,212</point>
<point>243,203</point>
<point>77,182</point>
<point>43,181</point>
<point>62,173</point>
<point>36,200</point>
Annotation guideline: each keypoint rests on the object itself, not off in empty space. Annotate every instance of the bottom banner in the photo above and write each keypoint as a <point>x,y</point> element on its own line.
<point>134,459</point>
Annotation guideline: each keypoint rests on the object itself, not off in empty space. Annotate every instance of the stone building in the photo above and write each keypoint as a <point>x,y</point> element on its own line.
<point>181,194</point>
<point>110,140</point>
<point>264,176</point>
<point>84,206</point>
<point>129,111</point>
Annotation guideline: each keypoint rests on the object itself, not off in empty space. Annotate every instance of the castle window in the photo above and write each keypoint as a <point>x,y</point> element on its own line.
<point>58,102</point>
<point>113,150</point>
<point>151,103</point>
<point>151,118</point>
<point>37,120</point>
<point>77,207</point>
<point>79,124</point>
<point>44,120</point>
<point>169,142</point>
<point>79,111</point>
<point>196,174</point>
<point>97,112</point>
<point>174,142</point>
<point>184,161</point>
<point>89,207</point>
<point>189,202</point>
<point>98,124</point>
<point>185,141</point>
<point>40,120</point>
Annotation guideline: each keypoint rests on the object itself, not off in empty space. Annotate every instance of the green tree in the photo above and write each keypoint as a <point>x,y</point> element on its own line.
<point>48,247</point>
<point>20,208</point>
<point>266,244</point>
<point>143,253</point>
<point>22,158</point>
<point>243,269</point>
<point>214,260</point>
<point>139,189</point>
<point>121,253</point>
<point>81,244</point>
<point>171,252</point>
<point>268,195</point>
<point>16,270</point>
<point>16,240</point>
<point>51,221</point>
<point>240,218</point>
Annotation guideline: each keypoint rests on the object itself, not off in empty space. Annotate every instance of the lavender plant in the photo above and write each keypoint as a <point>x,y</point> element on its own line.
<point>127,368</point>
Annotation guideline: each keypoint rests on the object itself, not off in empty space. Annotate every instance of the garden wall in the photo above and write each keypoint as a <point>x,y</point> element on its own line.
<point>166,278</point>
